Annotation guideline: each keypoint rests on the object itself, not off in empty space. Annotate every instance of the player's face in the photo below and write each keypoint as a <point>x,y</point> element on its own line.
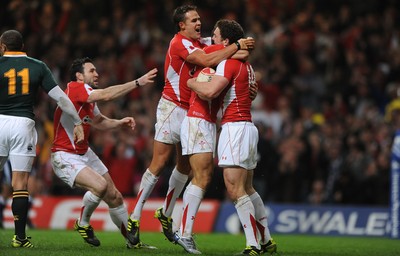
<point>217,38</point>
<point>191,27</point>
<point>90,75</point>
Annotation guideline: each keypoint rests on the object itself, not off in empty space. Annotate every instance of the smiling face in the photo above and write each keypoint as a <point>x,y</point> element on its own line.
<point>191,26</point>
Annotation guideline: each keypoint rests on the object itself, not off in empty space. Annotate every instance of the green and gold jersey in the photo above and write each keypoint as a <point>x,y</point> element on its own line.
<point>20,78</point>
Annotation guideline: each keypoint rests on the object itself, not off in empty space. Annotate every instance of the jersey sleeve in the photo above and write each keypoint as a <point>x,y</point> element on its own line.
<point>206,40</point>
<point>224,70</point>
<point>185,48</point>
<point>81,93</point>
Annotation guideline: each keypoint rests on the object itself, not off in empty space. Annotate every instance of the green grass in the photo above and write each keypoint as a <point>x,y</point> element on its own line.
<point>68,242</point>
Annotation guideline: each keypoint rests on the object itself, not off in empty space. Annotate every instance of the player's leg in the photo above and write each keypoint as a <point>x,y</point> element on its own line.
<point>119,215</point>
<point>198,142</point>
<point>266,241</point>
<point>237,153</point>
<point>235,180</point>
<point>21,166</point>
<point>169,131</point>
<point>96,185</point>
<point>202,168</point>
<point>176,183</point>
<point>167,134</point>
<point>75,171</point>
<point>22,152</point>
<point>161,155</point>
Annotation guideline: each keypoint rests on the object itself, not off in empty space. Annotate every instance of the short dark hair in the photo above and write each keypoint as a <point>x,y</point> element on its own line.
<point>13,40</point>
<point>77,66</point>
<point>180,14</point>
<point>230,30</point>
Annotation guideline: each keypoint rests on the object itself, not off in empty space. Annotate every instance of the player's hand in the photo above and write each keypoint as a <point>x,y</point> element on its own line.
<point>253,88</point>
<point>128,122</point>
<point>247,43</point>
<point>148,78</point>
<point>79,135</point>
<point>190,82</point>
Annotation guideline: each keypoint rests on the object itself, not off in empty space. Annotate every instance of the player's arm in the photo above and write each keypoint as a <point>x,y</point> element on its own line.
<point>208,90</point>
<point>242,55</point>
<point>119,90</point>
<point>101,122</point>
<point>66,106</point>
<point>212,59</point>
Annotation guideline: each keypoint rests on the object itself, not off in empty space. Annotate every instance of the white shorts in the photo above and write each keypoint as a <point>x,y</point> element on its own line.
<point>18,138</point>
<point>198,136</point>
<point>169,120</point>
<point>237,145</point>
<point>67,165</point>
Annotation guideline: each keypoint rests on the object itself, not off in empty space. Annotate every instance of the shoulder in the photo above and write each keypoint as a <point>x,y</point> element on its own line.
<point>79,88</point>
<point>38,64</point>
<point>213,48</point>
<point>180,40</point>
<point>228,66</point>
<point>233,63</point>
<point>35,61</point>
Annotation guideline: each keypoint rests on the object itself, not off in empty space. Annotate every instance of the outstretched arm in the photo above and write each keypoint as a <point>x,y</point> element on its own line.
<point>119,90</point>
<point>212,59</point>
<point>101,122</point>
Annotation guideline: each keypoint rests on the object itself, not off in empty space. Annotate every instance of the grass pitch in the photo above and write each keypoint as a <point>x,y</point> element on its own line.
<point>68,242</point>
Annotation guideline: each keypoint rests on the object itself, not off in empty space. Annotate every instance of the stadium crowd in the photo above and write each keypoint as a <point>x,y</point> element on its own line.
<point>326,70</point>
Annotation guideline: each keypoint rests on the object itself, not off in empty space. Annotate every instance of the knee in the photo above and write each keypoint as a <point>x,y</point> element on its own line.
<point>19,182</point>
<point>235,192</point>
<point>113,198</point>
<point>157,165</point>
<point>231,193</point>
<point>202,180</point>
<point>250,190</point>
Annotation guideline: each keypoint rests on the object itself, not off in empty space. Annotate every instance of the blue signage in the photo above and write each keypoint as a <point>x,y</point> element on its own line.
<point>318,220</point>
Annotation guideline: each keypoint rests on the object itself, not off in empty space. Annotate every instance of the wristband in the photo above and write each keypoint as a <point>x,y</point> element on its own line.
<point>137,83</point>
<point>238,45</point>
